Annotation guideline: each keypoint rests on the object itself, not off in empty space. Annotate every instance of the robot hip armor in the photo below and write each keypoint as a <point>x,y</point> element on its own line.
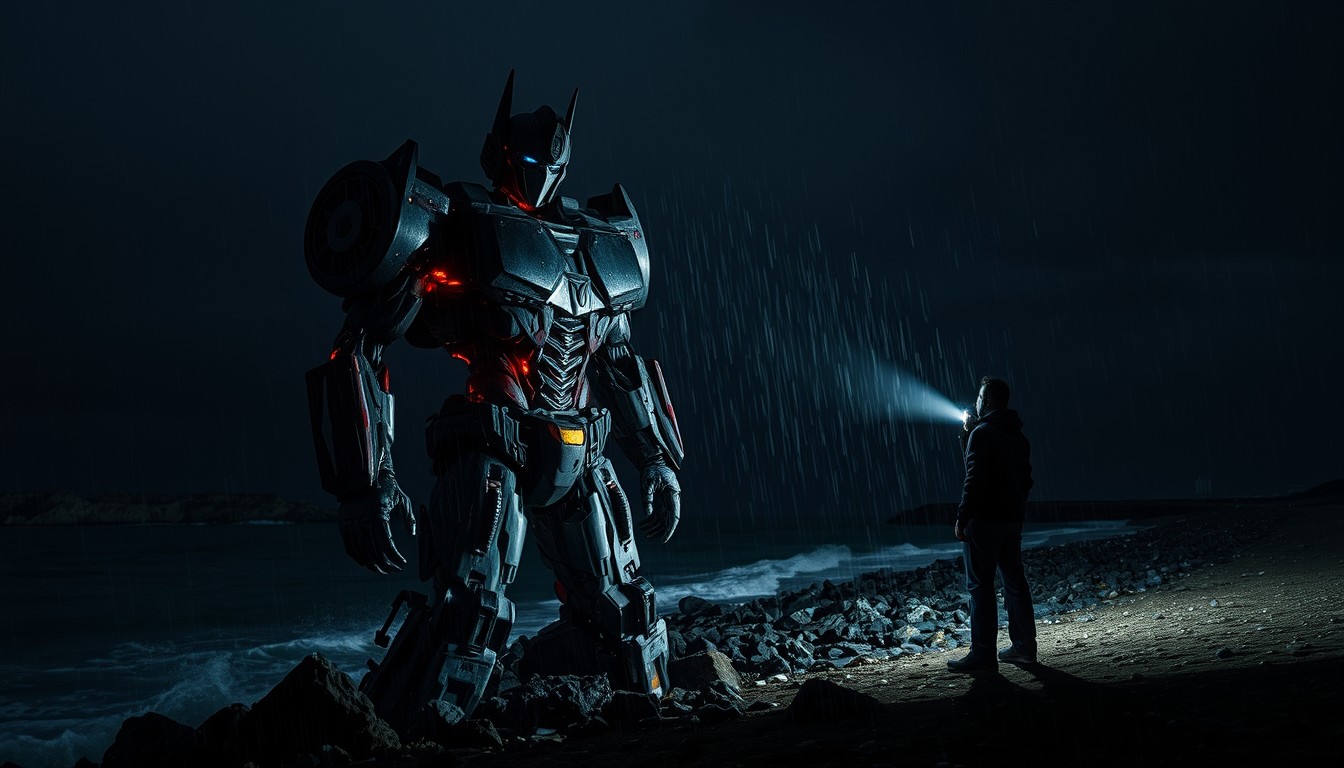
<point>548,450</point>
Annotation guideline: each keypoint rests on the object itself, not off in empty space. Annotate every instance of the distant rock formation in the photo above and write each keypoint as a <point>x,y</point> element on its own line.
<point>65,508</point>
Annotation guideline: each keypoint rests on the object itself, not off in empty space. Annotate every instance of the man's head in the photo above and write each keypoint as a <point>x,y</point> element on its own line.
<point>525,155</point>
<point>993,395</point>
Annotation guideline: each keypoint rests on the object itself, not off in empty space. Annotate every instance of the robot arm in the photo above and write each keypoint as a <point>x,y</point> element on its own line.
<point>644,424</point>
<point>351,407</point>
<point>632,388</point>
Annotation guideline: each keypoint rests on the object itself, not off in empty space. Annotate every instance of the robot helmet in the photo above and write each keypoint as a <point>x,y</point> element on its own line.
<point>525,155</point>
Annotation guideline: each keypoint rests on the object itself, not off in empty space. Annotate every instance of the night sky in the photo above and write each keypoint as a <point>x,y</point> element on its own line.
<point>1133,212</point>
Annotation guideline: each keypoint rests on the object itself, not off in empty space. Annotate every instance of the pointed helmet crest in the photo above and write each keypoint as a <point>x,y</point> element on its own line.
<point>525,155</point>
<point>569,113</point>
<point>501,126</point>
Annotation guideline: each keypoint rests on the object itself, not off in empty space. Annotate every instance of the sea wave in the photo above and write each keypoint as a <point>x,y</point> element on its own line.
<point>763,577</point>
<point>54,715</point>
<point>72,707</point>
<point>81,738</point>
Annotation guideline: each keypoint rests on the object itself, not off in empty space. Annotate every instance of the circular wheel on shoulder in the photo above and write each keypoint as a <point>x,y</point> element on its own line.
<point>349,236</point>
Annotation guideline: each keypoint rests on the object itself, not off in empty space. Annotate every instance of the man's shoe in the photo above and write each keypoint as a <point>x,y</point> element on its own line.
<point>972,663</point>
<point>1013,655</point>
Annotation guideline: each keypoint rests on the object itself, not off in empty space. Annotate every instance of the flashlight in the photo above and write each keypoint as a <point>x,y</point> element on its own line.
<point>968,419</point>
<point>968,423</point>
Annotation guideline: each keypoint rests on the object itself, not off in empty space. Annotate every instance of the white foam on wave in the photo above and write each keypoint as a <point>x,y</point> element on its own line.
<point>355,640</point>
<point>763,577</point>
<point>90,740</point>
<point>186,682</point>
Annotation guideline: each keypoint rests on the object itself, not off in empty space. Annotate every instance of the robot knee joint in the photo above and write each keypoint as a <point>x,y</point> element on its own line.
<point>627,609</point>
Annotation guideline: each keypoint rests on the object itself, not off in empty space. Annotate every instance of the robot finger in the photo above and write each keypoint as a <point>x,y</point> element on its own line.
<point>408,516</point>
<point>385,550</point>
<point>368,550</point>
<point>355,546</point>
<point>672,514</point>
<point>363,553</point>
<point>402,509</point>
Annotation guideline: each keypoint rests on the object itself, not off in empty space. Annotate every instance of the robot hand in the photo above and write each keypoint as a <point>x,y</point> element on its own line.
<point>662,501</point>
<point>366,524</point>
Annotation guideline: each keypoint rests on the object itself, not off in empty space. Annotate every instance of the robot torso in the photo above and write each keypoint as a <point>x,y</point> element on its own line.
<point>524,300</point>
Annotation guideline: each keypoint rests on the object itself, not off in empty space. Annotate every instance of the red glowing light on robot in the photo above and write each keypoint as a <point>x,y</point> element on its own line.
<point>439,277</point>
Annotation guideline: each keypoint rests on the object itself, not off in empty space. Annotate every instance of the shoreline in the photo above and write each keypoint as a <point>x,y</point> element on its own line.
<point>1214,665</point>
<point>1110,656</point>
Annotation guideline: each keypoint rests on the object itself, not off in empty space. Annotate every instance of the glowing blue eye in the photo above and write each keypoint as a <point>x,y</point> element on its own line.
<point>530,160</point>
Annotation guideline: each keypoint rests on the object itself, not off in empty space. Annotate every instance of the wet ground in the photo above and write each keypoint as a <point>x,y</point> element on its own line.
<point>1240,662</point>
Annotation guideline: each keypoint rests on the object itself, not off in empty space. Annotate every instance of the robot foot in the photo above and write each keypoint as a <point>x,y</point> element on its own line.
<point>636,663</point>
<point>462,678</point>
<point>421,679</point>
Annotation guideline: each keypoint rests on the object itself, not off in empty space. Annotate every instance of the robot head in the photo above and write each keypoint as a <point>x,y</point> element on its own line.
<point>525,155</point>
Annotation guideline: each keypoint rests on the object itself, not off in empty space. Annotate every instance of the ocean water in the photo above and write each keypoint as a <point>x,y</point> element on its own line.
<point>102,623</point>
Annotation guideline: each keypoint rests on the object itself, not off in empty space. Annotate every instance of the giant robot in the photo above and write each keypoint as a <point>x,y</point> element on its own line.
<point>533,292</point>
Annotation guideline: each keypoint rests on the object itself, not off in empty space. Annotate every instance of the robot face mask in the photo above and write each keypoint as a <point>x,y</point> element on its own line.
<point>526,155</point>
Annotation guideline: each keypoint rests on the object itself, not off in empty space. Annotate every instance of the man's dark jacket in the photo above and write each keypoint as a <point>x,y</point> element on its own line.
<point>998,470</point>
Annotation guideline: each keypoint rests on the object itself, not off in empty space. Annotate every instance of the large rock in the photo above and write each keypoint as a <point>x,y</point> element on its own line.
<point>709,704</point>
<point>150,741</point>
<point>222,733</point>
<point>451,730</point>
<point>556,701</point>
<point>315,705</point>
<point>692,605</point>
<point>820,700</point>
<point>630,707</point>
<point>701,669</point>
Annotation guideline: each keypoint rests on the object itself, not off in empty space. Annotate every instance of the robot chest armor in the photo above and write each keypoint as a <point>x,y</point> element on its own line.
<point>573,271</point>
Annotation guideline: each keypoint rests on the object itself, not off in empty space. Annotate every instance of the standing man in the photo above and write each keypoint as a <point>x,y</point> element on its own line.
<point>989,521</point>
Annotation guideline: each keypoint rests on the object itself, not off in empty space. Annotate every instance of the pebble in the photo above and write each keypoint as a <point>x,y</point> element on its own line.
<point>887,613</point>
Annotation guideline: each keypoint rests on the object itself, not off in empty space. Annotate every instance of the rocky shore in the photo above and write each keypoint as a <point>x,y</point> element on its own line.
<point>836,673</point>
<point>887,614</point>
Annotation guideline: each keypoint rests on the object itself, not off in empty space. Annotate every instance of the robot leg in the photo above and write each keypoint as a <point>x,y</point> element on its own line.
<point>609,619</point>
<point>470,544</point>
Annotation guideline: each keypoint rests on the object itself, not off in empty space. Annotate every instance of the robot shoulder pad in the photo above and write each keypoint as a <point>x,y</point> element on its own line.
<point>621,258</point>
<point>367,221</point>
<point>616,208</point>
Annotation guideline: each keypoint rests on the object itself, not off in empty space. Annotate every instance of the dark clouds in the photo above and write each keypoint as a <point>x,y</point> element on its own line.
<point>1133,211</point>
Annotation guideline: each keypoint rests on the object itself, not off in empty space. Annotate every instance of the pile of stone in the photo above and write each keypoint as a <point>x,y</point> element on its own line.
<point>888,614</point>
